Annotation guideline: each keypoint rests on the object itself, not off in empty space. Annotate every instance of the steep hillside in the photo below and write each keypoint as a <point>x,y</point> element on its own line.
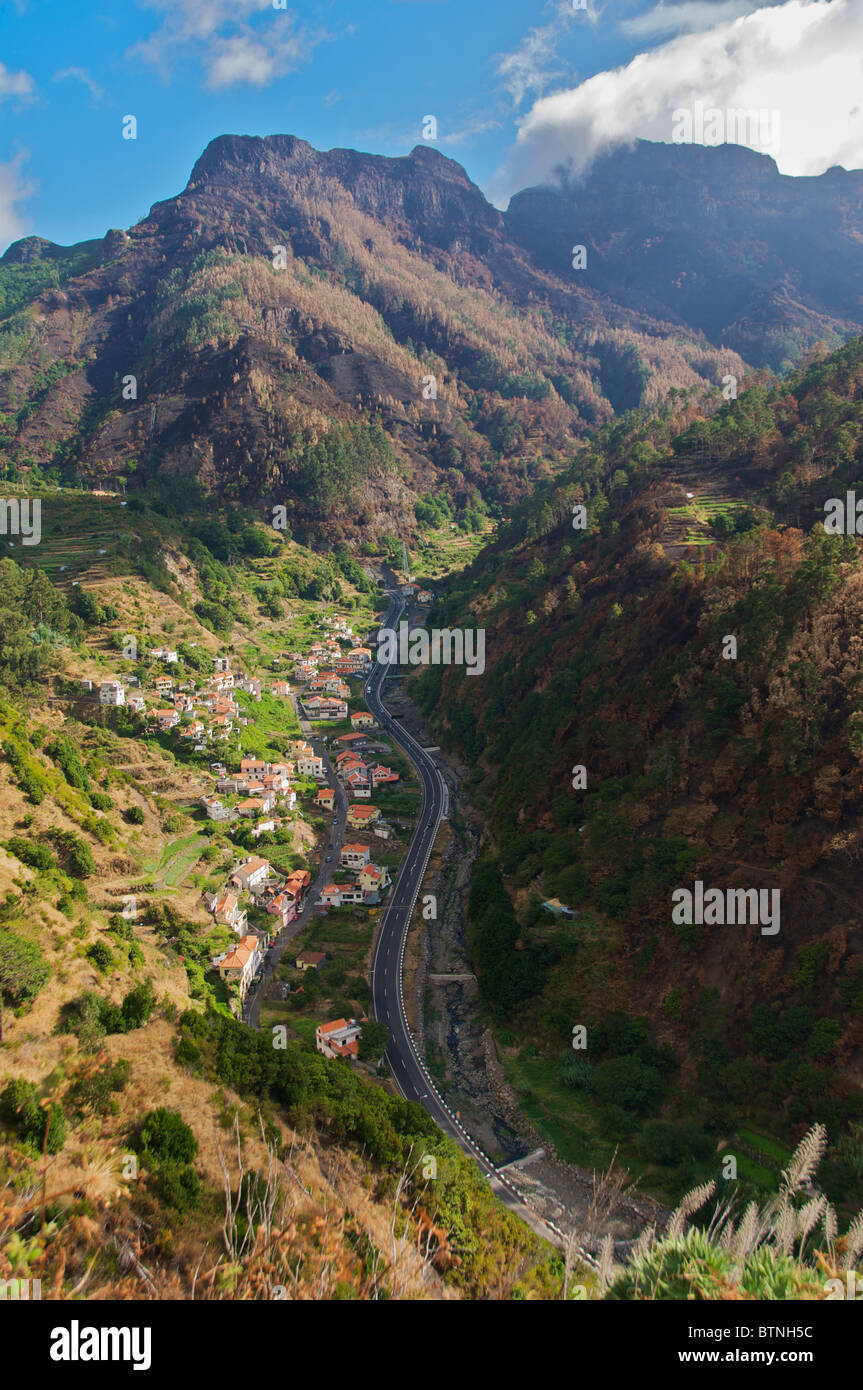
<point>623,746</point>
<point>251,330</point>
<point>713,238</point>
<point>133,1103</point>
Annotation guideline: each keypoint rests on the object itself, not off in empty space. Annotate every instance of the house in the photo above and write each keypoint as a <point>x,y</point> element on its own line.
<point>347,759</point>
<point>339,1038</point>
<point>112,693</point>
<point>379,774</point>
<point>355,856</point>
<point>361,816</point>
<point>163,685</point>
<point>194,729</point>
<point>362,719</point>
<point>251,685</point>
<point>331,896</point>
<point>321,707</point>
<point>281,688</point>
<point>165,718</point>
<point>382,830</point>
<point>262,828</point>
<point>252,806</point>
<point>163,654</point>
<point>239,965</point>
<point>222,663</point>
<point>357,783</point>
<point>215,808</point>
<point>256,765</point>
<point>298,883</point>
<point>251,873</point>
<point>138,704</point>
<point>87,685</point>
<point>351,740</point>
<point>228,913</point>
<point>325,799</point>
<point>425,596</point>
<point>374,878</point>
<point>310,960</point>
<point>312,766</point>
<point>299,748</point>
<point>284,907</point>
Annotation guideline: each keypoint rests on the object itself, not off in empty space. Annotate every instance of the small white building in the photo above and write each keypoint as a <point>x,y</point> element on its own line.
<point>112,693</point>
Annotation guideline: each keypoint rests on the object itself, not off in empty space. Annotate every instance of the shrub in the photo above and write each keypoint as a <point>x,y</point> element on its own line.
<point>34,855</point>
<point>134,815</point>
<point>23,968</point>
<point>164,1137</point>
<point>100,955</point>
<point>100,801</point>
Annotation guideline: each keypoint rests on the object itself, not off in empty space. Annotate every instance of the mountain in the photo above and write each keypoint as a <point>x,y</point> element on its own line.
<point>673,695</point>
<point>249,331</point>
<point>714,238</point>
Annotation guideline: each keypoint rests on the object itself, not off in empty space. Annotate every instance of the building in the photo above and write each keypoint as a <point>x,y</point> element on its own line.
<point>239,965</point>
<point>227,912</point>
<point>311,766</point>
<point>361,816</point>
<point>112,693</point>
<point>284,907</point>
<point>355,856</point>
<point>310,960</point>
<point>374,878</point>
<point>281,688</point>
<point>215,808</point>
<point>164,654</point>
<point>362,719</point>
<point>252,806</point>
<point>251,874</point>
<point>339,1038</point>
<point>325,799</point>
<point>298,883</point>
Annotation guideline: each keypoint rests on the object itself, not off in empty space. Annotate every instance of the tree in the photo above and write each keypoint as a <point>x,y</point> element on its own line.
<point>23,969</point>
<point>164,1137</point>
<point>373,1040</point>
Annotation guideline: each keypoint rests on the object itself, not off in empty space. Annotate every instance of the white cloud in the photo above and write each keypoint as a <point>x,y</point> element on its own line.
<point>690,17</point>
<point>81,75</point>
<point>534,64</point>
<point>801,59</point>
<point>14,188</point>
<point>15,84</point>
<point>223,35</point>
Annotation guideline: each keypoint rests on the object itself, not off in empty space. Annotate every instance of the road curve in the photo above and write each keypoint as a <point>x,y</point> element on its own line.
<point>406,1065</point>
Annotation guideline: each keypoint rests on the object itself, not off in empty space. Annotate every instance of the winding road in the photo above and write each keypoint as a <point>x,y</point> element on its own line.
<point>407,1068</point>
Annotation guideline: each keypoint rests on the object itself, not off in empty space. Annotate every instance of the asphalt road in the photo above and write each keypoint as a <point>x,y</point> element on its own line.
<point>407,1068</point>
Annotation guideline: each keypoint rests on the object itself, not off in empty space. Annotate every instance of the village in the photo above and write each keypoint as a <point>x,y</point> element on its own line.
<point>260,799</point>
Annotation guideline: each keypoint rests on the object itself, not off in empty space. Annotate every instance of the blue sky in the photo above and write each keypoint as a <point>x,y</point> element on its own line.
<point>511,85</point>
